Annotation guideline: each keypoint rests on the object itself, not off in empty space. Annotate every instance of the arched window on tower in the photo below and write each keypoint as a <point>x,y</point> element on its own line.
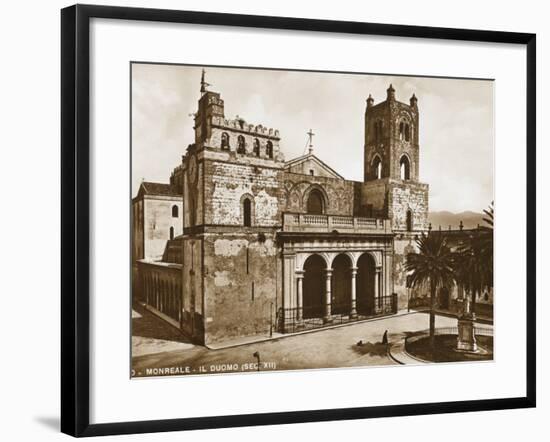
<point>409,221</point>
<point>315,202</point>
<point>405,168</point>
<point>407,133</point>
<point>256,147</point>
<point>269,149</point>
<point>401,131</point>
<point>175,211</point>
<point>377,168</point>
<point>171,233</point>
<point>247,212</point>
<point>225,141</point>
<point>241,145</point>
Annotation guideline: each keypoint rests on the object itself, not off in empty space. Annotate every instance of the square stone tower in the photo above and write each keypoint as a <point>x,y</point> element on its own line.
<point>391,164</point>
<point>232,211</point>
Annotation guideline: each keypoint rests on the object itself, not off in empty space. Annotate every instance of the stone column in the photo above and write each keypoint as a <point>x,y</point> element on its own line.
<point>300,295</point>
<point>328,296</point>
<point>353,312</point>
<point>377,289</point>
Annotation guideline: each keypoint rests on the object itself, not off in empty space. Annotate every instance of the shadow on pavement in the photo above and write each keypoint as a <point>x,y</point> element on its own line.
<point>368,348</point>
<point>150,326</point>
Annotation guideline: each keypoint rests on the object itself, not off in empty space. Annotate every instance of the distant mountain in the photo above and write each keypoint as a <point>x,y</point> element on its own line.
<point>444,219</point>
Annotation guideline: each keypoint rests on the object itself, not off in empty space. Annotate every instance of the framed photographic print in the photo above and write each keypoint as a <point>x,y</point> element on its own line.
<point>293,217</point>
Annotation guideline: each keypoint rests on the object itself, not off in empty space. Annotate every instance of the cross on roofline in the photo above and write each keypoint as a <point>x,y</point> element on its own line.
<point>204,84</point>
<point>310,140</point>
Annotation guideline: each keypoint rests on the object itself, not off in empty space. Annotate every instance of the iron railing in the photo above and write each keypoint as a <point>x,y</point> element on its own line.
<point>478,331</point>
<point>292,320</point>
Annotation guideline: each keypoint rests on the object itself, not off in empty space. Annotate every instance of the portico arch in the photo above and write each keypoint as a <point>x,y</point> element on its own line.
<point>314,287</point>
<point>341,284</point>
<point>366,284</point>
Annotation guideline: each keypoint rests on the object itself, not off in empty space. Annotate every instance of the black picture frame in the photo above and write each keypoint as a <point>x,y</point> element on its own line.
<point>75,212</point>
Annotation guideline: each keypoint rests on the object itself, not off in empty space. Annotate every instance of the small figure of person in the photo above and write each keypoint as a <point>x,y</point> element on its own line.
<point>385,338</point>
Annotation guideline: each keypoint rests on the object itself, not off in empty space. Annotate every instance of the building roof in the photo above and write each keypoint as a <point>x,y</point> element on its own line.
<point>160,189</point>
<point>311,157</point>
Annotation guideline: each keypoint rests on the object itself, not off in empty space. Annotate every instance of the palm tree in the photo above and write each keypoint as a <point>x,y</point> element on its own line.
<point>486,243</point>
<point>433,265</point>
<point>474,258</point>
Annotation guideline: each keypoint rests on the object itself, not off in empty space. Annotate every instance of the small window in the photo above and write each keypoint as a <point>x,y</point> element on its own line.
<point>405,168</point>
<point>401,130</point>
<point>269,149</point>
<point>171,233</point>
<point>409,221</point>
<point>175,211</point>
<point>225,141</point>
<point>241,145</point>
<point>311,172</point>
<point>407,133</point>
<point>247,212</point>
<point>377,168</point>
<point>256,148</point>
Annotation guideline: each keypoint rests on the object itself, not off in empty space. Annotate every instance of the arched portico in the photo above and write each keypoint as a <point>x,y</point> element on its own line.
<point>367,284</point>
<point>314,288</point>
<point>341,284</point>
<point>334,282</point>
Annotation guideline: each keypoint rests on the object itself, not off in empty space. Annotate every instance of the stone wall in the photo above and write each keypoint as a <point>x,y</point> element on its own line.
<point>173,251</point>
<point>403,244</point>
<point>232,129</point>
<point>338,194</point>
<point>157,221</point>
<point>193,198</point>
<point>229,183</point>
<point>404,196</point>
<point>137,230</point>
<point>240,285</point>
<point>374,196</point>
<point>393,198</point>
<point>192,277</point>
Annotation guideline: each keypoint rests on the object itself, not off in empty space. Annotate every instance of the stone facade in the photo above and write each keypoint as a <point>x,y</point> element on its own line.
<point>268,245</point>
<point>395,198</point>
<point>230,181</point>
<point>240,285</point>
<point>156,218</point>
<point>337,193</point>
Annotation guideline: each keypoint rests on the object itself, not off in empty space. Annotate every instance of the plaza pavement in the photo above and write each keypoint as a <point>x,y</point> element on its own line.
<point>159,345</point>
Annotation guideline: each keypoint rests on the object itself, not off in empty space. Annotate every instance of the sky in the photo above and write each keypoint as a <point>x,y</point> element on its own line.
<point>456,122</point>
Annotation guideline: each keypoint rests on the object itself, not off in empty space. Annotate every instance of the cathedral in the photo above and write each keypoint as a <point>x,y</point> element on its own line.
<point>243,244</point>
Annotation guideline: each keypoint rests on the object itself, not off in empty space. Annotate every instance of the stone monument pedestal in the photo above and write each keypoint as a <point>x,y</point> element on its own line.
<point>466,340</point>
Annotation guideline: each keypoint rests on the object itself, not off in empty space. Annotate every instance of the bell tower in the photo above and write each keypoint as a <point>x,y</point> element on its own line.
<point>392,163</point>
<point>391,139</point>
<point>210,109</point>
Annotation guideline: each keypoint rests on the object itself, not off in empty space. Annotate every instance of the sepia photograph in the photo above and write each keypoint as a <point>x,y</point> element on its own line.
<point>300,220</point>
